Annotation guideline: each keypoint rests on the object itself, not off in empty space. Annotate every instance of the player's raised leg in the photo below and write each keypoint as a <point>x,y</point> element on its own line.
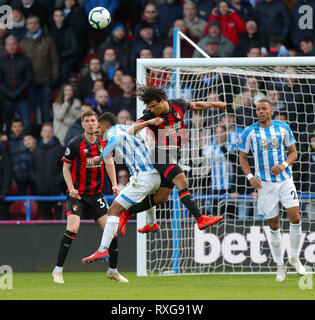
<point>73,224</point>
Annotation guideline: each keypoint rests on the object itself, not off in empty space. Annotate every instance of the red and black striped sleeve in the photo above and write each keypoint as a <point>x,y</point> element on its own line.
<point>70,152</point>
<point>147,115</point>
<point>184,105</point>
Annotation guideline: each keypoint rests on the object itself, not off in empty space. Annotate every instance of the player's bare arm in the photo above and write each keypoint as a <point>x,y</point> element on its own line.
<point>254,182</point>
<point>137,126</point>
<point>202,105</point>
<point>111,171</point>
<point>292,156</point>
<point>66,170</point>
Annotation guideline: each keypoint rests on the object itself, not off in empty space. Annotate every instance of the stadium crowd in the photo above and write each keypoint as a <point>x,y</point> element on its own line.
<point>54,66</point>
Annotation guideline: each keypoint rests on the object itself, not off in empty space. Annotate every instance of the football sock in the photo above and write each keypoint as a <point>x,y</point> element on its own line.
<point>189,202</point>
<point>145,204</point>
<point>64,247</point>
<point>151,216</point>
<point>276,244</point>
<point>113,253</point>
<point>295,237</point>
<point>109,232</point>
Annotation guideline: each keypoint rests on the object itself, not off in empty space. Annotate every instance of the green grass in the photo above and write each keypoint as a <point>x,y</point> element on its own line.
<point>95,286</point>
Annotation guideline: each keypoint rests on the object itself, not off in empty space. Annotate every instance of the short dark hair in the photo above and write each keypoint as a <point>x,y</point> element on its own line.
<point>307,39</point>
<point>109,117</point>
<point>88,113</point>
<point>265,100</point>
<point>149,93</point>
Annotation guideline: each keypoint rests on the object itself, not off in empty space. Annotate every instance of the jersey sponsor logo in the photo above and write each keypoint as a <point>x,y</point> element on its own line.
<point>269,144</point>
<point>172,128</point>
<point>90,164</point>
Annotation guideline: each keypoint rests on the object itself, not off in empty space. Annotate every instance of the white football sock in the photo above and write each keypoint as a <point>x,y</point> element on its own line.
<point>276,243</point>
<point>295,237</point>
<point>151,216</point>
<point>58,269</point>
<point>109,232</point>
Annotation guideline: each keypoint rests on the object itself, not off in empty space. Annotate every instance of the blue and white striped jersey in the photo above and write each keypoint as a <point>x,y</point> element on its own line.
<point>269,148</point>
<point>221,168</point>
<point>132,150</point>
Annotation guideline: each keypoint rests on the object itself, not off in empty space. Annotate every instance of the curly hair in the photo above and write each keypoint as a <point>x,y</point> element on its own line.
<point>149,93</point>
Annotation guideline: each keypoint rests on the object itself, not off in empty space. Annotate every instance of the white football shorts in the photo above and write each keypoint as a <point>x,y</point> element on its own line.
<point>138,188</point>
<point>274,192</point>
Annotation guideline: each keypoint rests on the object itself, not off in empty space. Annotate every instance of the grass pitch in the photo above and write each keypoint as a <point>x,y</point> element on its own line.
<point>95,286</point>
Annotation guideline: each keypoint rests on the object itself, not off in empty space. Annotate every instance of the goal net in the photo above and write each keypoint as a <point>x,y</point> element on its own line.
<point>241,242</point>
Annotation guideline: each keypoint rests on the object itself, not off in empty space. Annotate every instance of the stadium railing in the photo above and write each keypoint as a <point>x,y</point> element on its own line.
<point>304,197</point>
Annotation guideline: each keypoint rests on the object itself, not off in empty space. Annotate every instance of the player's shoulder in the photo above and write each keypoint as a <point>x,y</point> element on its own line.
<point>280,124</point>
<point>250,129</point>
<point>75,141</point>
<point>179,102</point>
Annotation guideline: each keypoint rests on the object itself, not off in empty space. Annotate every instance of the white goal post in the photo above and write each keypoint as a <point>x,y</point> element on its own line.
<point>237,244</point>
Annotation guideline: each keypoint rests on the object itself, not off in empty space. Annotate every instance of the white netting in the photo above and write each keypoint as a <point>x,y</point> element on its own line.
<point>241,241</point>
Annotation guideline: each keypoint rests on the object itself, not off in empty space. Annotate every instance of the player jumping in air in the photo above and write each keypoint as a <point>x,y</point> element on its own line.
<point>269,140</point>
<point>85,182</point>
<point>170,135</point>
<point>144,177</point>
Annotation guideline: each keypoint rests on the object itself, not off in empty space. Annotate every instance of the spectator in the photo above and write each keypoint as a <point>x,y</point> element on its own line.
<point>212,47</point>
<point>297,33</point>
<point>66,45</point>
<point>4,123</point>
<point>254,52</point>
<point>29,141</point>
<point>204,8</point>
<point>248,39</point>
<point>75,17</point>
<point>5,183</point>
<point>280,116</point>
<point>226,47</point>
<point>16,75</point>
<point>273,95</point>
<point>66,110</point>
<point>254,87</point>
<point>244,109</point>
<point>76,128</point>
<point>110,62</point>
<point>150,14</point>
<point>147,40</point>
<point>169,12</point>
<point>146,53</point>
<point>114,86</point>
<point>130,12</point>
<point>276,48</point>
<point>168,52</point>
<point>194,24</point>
<point>102,98</point>
<point>232,25</point>
<point>124,117</point>
<point>33,8</point>
<point>123,176</point>
<point>97,85</point>
<point>186,49</point>
<point>243,8</point>
<point>85,85</point>
<point>20,156</point>
<point>307,46</point>
<point>126,100</point>
<point>308,174</point>
<point>40,48</point>
<point>119,41</point>
<point>18,24</point>
<point>46,172</point>
<point>273,17</point>
<point>222,170</point>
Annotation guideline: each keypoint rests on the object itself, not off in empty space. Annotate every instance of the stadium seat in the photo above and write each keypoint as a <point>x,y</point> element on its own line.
<point>18,210</point>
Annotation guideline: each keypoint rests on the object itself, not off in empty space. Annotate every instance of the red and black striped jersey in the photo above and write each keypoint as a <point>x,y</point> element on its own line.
<point>87,177</point>
<point>172,132</point>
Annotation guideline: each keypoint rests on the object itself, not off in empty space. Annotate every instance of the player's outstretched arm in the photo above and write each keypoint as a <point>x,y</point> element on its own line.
<point>139,125</point>
<point>202,105</point>
<point>254,182</point>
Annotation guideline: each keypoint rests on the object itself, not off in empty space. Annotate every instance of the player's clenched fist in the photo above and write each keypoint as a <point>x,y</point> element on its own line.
<point>155,122</point>
<point>74,194</point>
